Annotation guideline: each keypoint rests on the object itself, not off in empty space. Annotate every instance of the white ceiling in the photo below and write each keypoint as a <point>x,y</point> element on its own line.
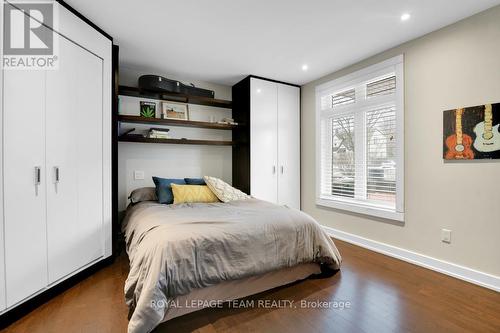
<point>222,41</point>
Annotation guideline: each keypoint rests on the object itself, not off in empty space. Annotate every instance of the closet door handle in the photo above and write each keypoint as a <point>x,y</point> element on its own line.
<point>56,174</point>
<point>282,169</point>
<point>274,169</point>
<point>38,175</point>
<point>38,178</point>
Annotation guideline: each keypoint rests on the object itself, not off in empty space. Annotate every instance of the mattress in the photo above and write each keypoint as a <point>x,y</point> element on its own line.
<point>214,296</point>
<point>177,250</point>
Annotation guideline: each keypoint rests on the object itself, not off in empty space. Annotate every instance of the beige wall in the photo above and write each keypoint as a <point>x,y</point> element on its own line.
<point>455,66</point>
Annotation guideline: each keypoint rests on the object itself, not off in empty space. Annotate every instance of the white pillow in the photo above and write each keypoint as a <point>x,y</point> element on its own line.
<point>223,190</point>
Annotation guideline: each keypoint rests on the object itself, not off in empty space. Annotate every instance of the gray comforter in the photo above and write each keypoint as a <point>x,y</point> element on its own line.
<point>174,249</point>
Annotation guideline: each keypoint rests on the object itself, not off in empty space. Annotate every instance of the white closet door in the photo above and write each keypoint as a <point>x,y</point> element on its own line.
<point>74,161</point>
<point>264,140</point>
<point>289,146</point>
<point>89,145</point>
<point>24,200</point>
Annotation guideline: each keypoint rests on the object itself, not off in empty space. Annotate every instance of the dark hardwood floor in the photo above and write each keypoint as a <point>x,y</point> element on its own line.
<point>385,295</point>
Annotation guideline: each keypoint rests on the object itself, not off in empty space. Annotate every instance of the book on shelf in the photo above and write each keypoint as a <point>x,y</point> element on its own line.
<point>159,129</point>
<point>158,136</point>
<point>227,121</point>
<point>158,133</point>
<point>152,133</point>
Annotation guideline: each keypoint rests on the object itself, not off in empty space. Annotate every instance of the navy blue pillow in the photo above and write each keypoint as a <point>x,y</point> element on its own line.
<point>164,190</point>
<point>195,181</point>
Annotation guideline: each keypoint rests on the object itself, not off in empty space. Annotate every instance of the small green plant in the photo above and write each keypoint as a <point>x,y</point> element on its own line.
<point>147,111</point>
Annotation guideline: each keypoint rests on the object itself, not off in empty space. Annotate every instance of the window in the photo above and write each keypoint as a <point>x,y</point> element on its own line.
<point>360,141</point>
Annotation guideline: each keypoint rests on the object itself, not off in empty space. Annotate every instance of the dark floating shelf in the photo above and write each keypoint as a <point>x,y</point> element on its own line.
<point>126,138</point>
<point>175,97</point>
<point>173,122</point>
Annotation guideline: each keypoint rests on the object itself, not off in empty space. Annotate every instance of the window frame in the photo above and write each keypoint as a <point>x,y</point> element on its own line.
<point>359,78</point>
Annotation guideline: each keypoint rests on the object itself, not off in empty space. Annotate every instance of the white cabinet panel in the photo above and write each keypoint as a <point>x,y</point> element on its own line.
<point>288,146</point>
<point>74,161</point>
<point>275,142</point>
<point>264,139</point>
<point>24,201</point>
<point>89,145</point>
<point>53,120</point>
<point>62,209</point>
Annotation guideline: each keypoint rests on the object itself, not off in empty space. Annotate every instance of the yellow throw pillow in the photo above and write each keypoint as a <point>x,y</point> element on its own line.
<point>193,193</point>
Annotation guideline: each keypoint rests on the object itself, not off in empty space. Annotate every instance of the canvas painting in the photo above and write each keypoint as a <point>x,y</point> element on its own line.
<point>472,133</point>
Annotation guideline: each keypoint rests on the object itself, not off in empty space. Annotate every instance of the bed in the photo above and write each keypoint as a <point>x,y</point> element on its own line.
<point>186,257</point>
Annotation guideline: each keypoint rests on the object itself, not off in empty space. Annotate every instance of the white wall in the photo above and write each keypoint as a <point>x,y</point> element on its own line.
<point>174,161</point>
<point>454,67</point>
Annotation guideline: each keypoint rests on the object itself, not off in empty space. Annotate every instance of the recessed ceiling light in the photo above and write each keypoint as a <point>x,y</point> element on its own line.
<point>259,90</point>
<point>405,17</point>
<point>305,67</point>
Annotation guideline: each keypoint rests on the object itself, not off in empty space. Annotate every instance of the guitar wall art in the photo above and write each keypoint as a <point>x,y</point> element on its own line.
<point>472,133</point>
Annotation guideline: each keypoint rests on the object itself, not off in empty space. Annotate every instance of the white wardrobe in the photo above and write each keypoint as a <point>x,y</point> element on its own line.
<point>272,111</point>
<point>56,143</point>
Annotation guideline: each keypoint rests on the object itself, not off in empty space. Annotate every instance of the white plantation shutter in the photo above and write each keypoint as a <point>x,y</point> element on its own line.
<point>381,155</point>
<point>360,141</point>
<point>339,99</point>
<point>343,164</point>
<point>385,86</point>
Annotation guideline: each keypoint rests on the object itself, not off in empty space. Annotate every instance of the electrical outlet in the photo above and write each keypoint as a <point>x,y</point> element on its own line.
<point>138,175</point>
<point>446,236</point>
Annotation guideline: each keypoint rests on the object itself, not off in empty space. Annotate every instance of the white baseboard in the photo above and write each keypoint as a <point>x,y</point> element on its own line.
<point>460,272</point>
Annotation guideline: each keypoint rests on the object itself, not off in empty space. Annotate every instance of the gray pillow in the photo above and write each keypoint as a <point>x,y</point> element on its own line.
<point>143,194</point>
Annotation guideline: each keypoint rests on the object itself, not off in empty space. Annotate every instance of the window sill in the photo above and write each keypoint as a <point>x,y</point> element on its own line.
<point>362,209</point>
